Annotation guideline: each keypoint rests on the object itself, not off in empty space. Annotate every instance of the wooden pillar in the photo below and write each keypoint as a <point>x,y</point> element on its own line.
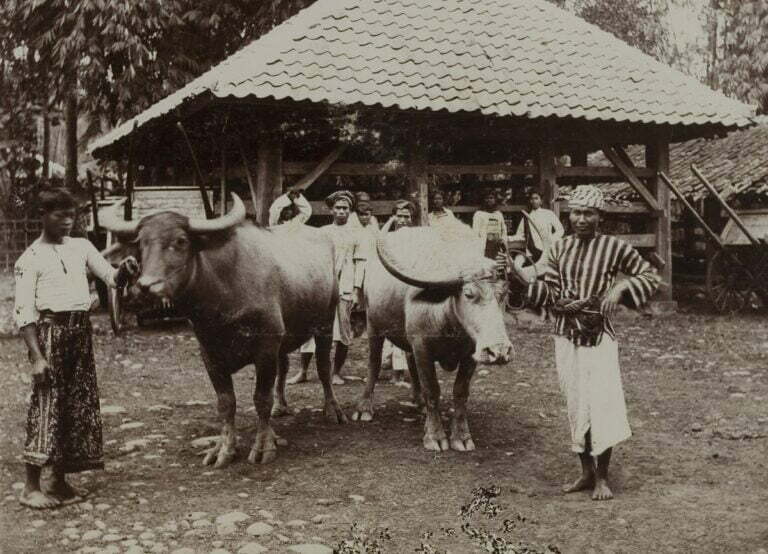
<point>269,174</point>
<point>657,158</point>
<point>417,181</point>
<point>547,177</point>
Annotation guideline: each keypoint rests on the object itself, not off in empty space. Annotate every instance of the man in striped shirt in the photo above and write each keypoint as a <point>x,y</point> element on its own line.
<point>579,287</point>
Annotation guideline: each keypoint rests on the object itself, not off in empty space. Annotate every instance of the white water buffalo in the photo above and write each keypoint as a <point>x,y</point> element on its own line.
<point>439,312</point>
<point>252,295</point>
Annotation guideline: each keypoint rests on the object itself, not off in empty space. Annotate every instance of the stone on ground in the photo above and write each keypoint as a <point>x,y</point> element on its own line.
<point>310,549</point>
<point>232,518</point>
<point>259,529</point>
<point>252,548</point>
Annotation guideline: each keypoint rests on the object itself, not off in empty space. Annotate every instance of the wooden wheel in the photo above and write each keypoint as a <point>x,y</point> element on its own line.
<point>729,286</point>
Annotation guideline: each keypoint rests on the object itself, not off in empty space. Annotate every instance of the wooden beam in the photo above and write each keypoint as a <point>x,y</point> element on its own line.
<point>269,175</point>
<point>617,160</point>
<point>548,177</point>
<point>312,176</point>
<point>248,175</point>
<point>417,180</point>
<point>657,157</point>
<point>399,168</point>
<point>643,240</point>
<point>599,171</point>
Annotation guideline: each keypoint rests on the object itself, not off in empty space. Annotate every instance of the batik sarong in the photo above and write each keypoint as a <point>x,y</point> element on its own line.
<point>64,418</point>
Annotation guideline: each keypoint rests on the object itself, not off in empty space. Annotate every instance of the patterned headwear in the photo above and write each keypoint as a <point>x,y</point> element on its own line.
<point>341,195</point>
<point>587,196</point>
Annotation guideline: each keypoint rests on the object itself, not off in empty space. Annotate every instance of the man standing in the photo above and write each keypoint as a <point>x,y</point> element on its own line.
<point>293,210</point>
<point>51,310</point>
<point>547,230</point>
<point>349,262</point>
<point>439,216</point>
<point>579,286</point>
<point>489,225</point>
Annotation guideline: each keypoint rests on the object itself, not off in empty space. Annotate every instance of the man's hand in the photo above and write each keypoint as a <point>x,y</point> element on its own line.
<point>128,268</point>
<point>357,298</point>
<point>612,299</point>
<point>501,262</point>
<point>131,266</point>
<point>293,193</point>
<point>41,371</point>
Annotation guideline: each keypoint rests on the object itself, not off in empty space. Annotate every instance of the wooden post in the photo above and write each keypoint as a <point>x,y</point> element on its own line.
<point>223,183</point>
<point>547,177</point>
<point>269,175</point>
<point>417,181</point>
<point>657,157</point>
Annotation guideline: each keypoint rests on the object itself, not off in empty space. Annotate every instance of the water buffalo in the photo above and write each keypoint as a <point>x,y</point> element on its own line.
<point>252,295</point>
<point>439,313</point>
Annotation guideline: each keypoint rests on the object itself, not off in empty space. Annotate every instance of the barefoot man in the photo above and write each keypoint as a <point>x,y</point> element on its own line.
<point>51,311</point>
<point>580,288</point>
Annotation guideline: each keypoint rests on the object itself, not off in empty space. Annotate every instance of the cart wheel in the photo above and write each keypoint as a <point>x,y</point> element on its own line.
<point>116,311</point>
<point>728,285</point>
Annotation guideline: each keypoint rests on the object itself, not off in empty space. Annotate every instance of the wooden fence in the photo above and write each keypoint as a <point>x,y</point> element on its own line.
<point>15,236</point>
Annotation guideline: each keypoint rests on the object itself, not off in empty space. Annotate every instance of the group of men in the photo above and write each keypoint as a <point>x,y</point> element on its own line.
<point>575,280</point>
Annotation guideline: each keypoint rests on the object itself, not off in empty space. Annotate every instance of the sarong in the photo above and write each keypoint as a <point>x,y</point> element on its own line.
<point>64,417</point>
<point>308,347</point>
<point>342,322</point>
<point>591,382</point>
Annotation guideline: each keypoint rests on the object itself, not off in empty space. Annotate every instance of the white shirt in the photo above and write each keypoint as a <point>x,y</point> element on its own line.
<point>53,277</point>
<point>282,202</point>
<point>547,223</point>
<point>442,218</point>
<point>349,253</point>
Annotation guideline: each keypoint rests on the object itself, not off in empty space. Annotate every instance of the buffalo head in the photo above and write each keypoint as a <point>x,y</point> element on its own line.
<point>166,244</point>
<point>452,272</point>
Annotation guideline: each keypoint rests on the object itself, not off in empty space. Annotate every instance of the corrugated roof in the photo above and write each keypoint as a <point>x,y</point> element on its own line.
<point>524,58</point>
<point>736,165</point>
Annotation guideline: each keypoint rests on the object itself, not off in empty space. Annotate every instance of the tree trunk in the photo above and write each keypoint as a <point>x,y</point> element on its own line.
<point>71,122</point>
<point>46,140</point>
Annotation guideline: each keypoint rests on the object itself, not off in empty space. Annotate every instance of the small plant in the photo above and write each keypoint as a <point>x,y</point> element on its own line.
<point>363,541</point>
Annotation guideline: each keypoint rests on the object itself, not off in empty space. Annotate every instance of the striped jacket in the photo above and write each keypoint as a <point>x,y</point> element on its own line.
<point>576,268</point>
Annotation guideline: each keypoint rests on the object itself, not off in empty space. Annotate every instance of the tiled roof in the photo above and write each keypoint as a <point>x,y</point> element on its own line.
<point>737,165</point>
<point>524,58</point>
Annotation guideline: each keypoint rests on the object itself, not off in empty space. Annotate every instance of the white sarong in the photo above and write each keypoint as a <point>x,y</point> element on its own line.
<point>308,347</point>
<point>591,382</point>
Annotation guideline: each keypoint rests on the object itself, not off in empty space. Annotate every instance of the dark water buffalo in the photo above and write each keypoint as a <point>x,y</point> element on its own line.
<point>252,295</point>
<point>441,312</point>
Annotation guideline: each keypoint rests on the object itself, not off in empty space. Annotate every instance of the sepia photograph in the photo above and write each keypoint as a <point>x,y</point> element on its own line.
<point>383,276</point>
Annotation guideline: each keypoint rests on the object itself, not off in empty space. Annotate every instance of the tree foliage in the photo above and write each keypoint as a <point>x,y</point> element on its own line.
<point>741,50</point>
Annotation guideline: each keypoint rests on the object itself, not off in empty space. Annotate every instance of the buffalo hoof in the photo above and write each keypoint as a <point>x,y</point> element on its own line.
<point>264,448</point>
<point>436,445</point>
<point>462,445</point>
<point>364,411</point>
<point>280,411</point>
<point>219,456</point>
<point>335,413</point>
<point>362,415</point>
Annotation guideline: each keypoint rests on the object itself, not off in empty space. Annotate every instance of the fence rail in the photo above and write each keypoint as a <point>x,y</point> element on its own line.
<point>15,236</point>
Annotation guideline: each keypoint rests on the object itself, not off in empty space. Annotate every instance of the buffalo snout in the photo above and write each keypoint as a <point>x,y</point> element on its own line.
<point>494,354</point>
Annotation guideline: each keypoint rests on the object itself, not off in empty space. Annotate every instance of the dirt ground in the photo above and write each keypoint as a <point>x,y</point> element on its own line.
<point>692,478</point>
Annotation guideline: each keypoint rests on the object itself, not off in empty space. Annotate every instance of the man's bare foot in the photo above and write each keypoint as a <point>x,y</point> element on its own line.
<point>583,483</point>
<point>300,377</point>
<point>37,500</point>
<point>64,492</point>
<point>337,379</point>
<point>601,492</point>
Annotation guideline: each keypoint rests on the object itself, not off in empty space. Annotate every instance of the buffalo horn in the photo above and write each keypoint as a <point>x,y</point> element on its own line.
<point>235,216</point>
<point>113,221</point>
<point>389,261</point>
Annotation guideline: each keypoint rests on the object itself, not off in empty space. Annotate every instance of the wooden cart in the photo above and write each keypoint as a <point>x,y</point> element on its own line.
<point>144,201</point>
<point>737,273</point>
